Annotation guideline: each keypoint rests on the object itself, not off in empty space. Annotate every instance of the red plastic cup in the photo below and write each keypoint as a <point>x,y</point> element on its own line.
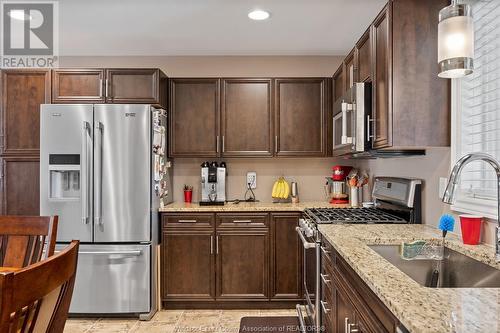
<point>188,196</point>
<point>471,228</point>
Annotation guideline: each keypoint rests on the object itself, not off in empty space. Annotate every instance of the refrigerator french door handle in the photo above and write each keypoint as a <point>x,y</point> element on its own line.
<point>85,173</point>
<point>98,173</point>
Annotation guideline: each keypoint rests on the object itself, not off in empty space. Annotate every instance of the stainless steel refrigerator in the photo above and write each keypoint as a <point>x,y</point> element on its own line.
<point>104,171</point>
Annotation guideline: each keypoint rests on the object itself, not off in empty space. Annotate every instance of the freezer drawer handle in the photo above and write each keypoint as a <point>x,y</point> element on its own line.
<point>98,174</point>
<point>85,173</point>
<point>136,253</point>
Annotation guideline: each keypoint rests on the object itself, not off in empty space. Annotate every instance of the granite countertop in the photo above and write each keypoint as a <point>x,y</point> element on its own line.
<point>247,206</point>
<point>420,309</point>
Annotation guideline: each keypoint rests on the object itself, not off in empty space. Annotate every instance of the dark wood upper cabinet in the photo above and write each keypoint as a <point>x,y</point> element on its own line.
<point>338,83</point>
<point>242,264</point>
<point>246,117</point>
<point>382,78</point>
<point>22,93</point>
<point>146,86</point>
<point>363,50</point>
<point>188,257</point>
<point>286,257</point>
<point>20,185</point>
<point>300,111</point>
<point>350,68</point>
<point>194,110</point>
<point>78,86</point>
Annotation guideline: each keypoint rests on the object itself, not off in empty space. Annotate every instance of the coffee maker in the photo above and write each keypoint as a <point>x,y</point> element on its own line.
<point>213,183</point>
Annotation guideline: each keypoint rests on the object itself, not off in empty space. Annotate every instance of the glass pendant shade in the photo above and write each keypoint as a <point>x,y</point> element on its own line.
<point>455,41</point>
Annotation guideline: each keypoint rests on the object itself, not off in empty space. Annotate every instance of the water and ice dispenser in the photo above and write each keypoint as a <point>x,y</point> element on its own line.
<point>64,176</point>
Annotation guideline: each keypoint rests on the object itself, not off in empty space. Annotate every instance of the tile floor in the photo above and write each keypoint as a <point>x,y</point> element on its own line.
<point>173,321</point>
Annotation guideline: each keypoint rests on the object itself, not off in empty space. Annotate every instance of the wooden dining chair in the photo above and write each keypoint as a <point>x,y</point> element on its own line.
<point>36,299</point>
<point>25,240</point>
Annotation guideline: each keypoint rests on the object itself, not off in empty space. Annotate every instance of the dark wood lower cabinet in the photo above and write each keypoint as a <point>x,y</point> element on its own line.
<point>19,185</point>
<point>347,303</point>
<point>189,260</point>
<point>243,264</point>
<point>230,259</point>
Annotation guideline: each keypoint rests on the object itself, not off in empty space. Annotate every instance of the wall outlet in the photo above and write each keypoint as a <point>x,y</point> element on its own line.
<point>252,179</point>
<point>442,186</point>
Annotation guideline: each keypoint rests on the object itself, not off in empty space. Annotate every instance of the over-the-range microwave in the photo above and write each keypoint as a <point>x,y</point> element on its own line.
<point>352,121</point>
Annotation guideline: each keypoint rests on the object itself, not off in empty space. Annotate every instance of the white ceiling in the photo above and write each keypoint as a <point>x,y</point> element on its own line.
<point>212,27</point>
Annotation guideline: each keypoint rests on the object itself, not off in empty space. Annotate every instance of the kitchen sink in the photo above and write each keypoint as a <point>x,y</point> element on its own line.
<point>455,270</point>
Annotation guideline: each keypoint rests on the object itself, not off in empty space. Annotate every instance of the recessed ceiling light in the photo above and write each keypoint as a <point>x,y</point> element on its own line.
<point>18,14</point>
<point>258,15</point>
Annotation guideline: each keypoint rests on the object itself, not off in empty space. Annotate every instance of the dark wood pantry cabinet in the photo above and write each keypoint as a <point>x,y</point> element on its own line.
<point>23,90</point>
<point>112,85</point>
<point>398,55</point>
<point>241,260</point>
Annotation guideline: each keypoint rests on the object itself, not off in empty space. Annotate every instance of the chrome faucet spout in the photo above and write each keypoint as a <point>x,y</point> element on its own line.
<point>453,181</point>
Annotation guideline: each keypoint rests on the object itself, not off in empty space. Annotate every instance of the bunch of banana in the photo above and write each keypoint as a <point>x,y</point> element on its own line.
<point>281,189</point>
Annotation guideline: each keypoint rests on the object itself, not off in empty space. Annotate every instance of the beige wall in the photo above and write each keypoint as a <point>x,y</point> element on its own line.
<point>206,66</point>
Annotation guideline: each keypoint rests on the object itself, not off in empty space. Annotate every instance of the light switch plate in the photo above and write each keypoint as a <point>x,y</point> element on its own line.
<point>442,186</point>
<point>252,179</point>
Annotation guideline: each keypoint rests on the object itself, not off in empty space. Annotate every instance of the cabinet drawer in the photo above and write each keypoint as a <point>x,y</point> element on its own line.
<point>327,254</point>
<point>242,220</point>
<point>188,220</point>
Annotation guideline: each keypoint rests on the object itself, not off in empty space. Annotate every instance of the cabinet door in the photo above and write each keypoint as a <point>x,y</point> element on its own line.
<point>363,50</point>
<point>22,93</point>
<point>345,315</point>
<point>300,117</point>
<point>350,70</point>
<point>246,122</point>
<point>286,257</point>
<point>78,86</point>
<point>338,83</point>
<point>242,264</point>
<point>194,105</point>
<point>133,86</point>
<point>188,269</point>
<point>20,186</point>
<point>382,82</point>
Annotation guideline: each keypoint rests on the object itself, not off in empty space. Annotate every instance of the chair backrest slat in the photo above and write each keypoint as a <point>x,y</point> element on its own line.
<point>23,239</point>
<point>37,298</point>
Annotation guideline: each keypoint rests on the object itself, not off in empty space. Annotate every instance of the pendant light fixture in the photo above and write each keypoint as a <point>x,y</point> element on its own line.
<point>455,41</point>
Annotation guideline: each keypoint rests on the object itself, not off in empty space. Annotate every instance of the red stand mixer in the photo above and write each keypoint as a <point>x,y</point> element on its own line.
<point>336,186</point>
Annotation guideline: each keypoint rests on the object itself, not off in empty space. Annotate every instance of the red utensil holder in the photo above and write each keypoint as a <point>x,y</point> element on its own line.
<point>471,229</point>
<point>188,196</point>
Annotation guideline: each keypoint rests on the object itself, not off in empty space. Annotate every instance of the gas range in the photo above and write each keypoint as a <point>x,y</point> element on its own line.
<point>396,200</point>
<point>351,215</point>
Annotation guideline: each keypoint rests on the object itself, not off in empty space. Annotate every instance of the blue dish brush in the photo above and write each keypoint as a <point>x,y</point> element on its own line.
<point>446,223</point>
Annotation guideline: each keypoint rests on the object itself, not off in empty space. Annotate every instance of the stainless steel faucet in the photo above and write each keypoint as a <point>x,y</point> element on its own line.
<point>454,179</point>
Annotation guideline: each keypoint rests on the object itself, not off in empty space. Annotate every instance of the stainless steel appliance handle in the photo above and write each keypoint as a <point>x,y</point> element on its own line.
<point>135,253</point>
<point>302,324</point>
<point>98,173</point>
<point>305,243</point>
<point>85,174</point>
<point>369,120</point>
<point>325,309</point>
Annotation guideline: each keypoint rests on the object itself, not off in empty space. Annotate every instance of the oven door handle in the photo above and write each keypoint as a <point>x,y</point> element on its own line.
<point>305,243</point>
